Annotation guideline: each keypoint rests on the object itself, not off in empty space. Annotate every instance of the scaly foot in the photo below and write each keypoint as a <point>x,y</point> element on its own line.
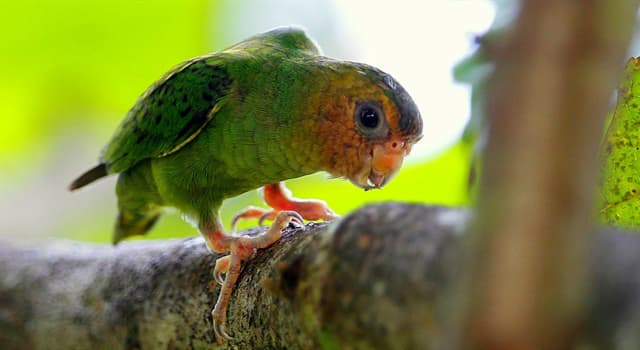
<point>240,248</point>
<point>279,198</point>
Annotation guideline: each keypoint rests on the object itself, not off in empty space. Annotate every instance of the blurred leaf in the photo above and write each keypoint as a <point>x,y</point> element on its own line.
<point>475,70</point>
<point>620,190</point>
<point>66,63</point>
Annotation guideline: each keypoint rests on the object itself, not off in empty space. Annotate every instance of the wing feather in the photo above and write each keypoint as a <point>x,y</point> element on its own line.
<point>169,114</point>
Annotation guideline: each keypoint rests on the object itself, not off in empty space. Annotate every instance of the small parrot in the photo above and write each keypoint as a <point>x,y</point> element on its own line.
<point>267,109</point>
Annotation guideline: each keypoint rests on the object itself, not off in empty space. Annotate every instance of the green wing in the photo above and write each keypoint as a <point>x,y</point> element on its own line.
<point>169,114</point>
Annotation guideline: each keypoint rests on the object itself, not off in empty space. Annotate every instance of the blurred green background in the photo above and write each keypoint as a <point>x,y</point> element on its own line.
<point>70,70</point>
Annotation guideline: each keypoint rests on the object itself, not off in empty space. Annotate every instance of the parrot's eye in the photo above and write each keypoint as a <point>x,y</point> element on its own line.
<point>370,119</point>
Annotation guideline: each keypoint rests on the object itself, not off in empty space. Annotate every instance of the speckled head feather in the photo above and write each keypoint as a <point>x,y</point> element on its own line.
<point>368,155</point>
<point>410,123</point>
<point>285,39</point>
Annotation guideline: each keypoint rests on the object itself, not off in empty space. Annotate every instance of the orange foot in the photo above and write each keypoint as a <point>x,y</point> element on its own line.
<point>279,198</point>
<point>240,248</point>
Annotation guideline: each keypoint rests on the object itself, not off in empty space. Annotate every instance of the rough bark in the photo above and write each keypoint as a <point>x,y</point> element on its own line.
<point>378,279</point>
<point>554,75</point>
<point>359,282</point>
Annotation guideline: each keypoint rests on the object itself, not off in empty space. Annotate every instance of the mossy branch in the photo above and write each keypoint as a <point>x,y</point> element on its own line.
<point>380,278</point>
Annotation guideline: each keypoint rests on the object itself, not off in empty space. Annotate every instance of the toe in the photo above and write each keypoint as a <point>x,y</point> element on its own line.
<point>220,332</point>
<point>218,275</point>
<point>269,215</point>
<point>329,215</point>
<point>287,216</point>
<point>249,212</point>
<point>221,268</point>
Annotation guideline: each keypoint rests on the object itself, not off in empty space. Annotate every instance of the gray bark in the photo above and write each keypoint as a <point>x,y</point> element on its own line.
<point>379,278</point>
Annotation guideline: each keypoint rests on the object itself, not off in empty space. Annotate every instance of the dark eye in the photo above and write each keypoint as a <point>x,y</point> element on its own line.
<point>370,119</point>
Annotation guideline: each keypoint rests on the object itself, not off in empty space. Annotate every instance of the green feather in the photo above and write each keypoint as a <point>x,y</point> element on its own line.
<point>225,123</point>
<point>170,114</point>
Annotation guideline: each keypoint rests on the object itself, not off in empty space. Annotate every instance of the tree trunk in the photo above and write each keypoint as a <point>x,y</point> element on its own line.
<point>549,95</point>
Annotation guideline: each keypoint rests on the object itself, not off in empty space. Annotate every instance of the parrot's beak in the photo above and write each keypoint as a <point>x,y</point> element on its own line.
<point>386,159</point>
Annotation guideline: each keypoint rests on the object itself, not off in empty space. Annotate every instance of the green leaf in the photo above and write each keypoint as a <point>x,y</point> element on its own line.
<point>620,188</point>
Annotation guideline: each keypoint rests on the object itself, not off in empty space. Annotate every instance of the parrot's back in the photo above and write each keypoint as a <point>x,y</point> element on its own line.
<point>167,116</point>
<point>174,110</point>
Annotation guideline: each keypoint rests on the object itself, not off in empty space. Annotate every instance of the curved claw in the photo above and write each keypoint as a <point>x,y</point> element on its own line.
<point>249,212</point>
<point>234,222</point>
<point>261,220</point>
<point>330,215</point>
<point>269,215</point>
<point>221,268</point>
<point>291,217</point>
<point>220,332</point>
<point>218,276</point>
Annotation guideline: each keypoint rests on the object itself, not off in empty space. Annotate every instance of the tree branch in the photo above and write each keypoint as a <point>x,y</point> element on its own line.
<point>380,278</point>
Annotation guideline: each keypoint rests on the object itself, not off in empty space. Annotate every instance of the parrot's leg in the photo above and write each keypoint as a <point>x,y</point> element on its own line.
<point>279,198</point>
<point>219,312</point>
<point>240,248</point>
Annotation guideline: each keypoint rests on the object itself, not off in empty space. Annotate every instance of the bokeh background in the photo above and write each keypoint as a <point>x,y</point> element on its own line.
<point>70,70</point>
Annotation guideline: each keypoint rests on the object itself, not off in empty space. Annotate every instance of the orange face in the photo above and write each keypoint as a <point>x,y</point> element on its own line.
<point>368,126</point>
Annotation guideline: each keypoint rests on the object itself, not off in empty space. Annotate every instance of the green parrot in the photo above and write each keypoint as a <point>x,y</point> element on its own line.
<point>267,109</point>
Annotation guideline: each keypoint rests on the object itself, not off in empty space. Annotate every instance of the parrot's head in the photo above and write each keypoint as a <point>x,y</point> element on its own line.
<point>370,124</point>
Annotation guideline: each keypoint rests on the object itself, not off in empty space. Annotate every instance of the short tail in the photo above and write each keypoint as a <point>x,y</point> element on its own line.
<point>89,176</point>
<point>132,224</point>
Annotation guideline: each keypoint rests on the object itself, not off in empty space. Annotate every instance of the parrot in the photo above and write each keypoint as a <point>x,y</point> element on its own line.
<point>265,110</point>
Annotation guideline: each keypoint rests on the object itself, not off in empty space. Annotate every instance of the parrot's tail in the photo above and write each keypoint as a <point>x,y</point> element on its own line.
<point>89,176</point>
<point>131,224</point>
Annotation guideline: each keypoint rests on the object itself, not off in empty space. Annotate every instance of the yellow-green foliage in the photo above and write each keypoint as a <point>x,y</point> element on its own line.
<point>70,71</point>
<point>620,197</point>
<point>68,64</point>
